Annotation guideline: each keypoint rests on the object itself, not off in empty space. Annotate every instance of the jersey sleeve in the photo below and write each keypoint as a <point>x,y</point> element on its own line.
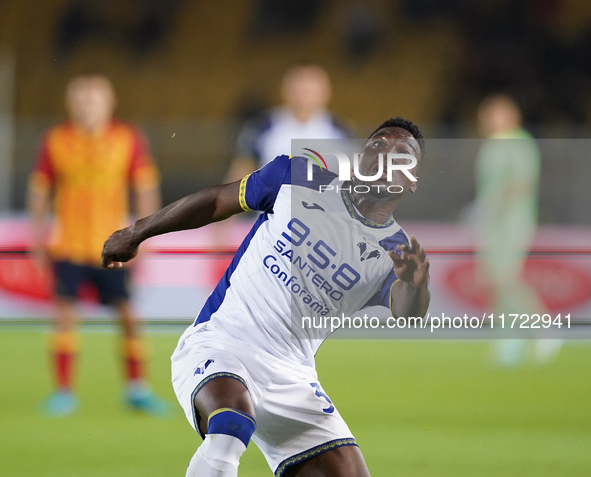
<point>259,190</point>
<point>382,297</point>
<point>43,174</point>
<point>341,128</point>
<point>143,172</point>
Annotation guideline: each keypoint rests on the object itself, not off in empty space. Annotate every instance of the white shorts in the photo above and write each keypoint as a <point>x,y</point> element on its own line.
<point>295,419</point>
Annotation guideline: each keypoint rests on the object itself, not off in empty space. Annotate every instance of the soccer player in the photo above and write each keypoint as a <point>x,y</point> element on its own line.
<point>245,368</point>
<point>87,165</point>
<point>507,180</point>
<point>305,92</point>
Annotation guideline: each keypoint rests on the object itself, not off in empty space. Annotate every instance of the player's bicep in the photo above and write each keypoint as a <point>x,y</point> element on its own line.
<point>227,201</point>
<point>42,177</point>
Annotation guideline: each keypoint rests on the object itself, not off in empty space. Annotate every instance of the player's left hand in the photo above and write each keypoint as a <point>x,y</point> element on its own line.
<point>412,265</point>
<point>119,247</point>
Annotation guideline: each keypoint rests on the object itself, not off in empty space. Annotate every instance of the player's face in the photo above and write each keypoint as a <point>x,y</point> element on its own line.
<point>499,116</point>
<point>307,91</point>
<point>385,141</point>
<point>91,102</point>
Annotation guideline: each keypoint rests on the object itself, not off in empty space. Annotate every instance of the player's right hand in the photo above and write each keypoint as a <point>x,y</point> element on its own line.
<point>119,248</point>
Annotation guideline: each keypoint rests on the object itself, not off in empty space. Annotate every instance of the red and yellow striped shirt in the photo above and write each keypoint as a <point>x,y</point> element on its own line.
<point>90,175</point>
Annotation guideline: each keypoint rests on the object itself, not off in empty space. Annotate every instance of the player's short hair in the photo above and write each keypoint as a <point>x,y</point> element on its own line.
<point>297,68</point>
<point>409,126</point>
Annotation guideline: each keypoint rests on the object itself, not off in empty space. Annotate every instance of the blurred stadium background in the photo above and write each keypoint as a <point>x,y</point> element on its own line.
<point>190,72</point>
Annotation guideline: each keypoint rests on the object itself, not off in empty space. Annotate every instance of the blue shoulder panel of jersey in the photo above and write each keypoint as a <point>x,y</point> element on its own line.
<point>299,174</point>
<point>391,242</point>
<point>382,297</point>
<point>262,186</point>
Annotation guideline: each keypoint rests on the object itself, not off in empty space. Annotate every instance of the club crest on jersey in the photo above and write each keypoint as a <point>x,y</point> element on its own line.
<point>201,367</point>
<point>367,250</point>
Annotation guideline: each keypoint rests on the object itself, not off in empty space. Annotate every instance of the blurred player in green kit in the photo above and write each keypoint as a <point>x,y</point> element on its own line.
<point>507,179</point>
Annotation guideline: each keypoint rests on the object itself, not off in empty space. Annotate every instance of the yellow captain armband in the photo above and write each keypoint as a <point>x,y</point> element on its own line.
<point>242,194</point>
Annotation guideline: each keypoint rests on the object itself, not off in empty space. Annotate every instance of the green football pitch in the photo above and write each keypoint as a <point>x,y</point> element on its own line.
<point>417,408</point>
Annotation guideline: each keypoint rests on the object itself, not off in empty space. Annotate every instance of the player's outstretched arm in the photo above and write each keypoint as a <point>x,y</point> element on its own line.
<point>191,212</point>
<point>410,295</point>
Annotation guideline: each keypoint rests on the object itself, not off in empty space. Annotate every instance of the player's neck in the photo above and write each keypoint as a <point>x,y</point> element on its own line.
<point>93,129</point>
<point>303,115</point>
<point>377,210</point>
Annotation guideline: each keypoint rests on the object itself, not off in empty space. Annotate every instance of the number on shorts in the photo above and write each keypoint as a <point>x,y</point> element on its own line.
<point>320,394</point>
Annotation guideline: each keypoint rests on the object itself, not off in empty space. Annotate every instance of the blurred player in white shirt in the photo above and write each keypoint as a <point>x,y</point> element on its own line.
<point>305,91</point>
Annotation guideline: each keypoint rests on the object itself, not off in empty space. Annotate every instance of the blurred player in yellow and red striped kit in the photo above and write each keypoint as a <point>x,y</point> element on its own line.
<point>87,166</point>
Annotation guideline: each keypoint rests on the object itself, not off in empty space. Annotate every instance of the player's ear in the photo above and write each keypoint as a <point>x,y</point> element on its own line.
<point>414,185</point>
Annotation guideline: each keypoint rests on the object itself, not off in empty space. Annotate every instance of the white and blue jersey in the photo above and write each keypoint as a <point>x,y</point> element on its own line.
<point>310,253</point>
